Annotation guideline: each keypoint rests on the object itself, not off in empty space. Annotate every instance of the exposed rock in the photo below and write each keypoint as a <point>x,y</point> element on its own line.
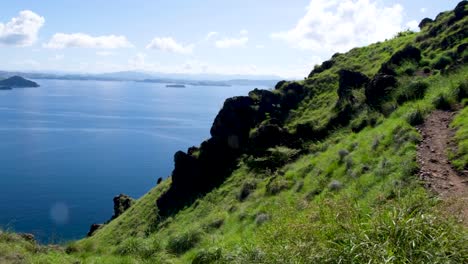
<point>234,121</point>
<point>262,218</point>
<point>93,229</point>
<point>121,204</point>
<point>350,80</point>
<point>280,84</point>
<point>159,180</point>
<point>379,87</point>
<point>28,237</point>
<point>267,136</point>
<point>291,95</point>
<point>425,22</point>
<point>460,10</point>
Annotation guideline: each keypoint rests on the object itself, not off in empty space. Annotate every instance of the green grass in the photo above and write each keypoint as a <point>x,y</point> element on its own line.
<point>459,156</point>
<point>351,197</point>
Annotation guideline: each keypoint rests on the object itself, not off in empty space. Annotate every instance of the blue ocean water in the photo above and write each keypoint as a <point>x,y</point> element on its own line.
<point>68,147</point>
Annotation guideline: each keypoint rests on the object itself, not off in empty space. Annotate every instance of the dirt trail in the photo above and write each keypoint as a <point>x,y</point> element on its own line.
<point>436,170</point>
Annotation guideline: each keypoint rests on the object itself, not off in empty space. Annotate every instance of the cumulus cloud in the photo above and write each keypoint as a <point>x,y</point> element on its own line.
<point>231,42</point>
<point>21,30</point>
<point>81,40</point>
<point>244,32</point>
<point>168,44</point>
<point>338,25</point>
<point>423,10</point>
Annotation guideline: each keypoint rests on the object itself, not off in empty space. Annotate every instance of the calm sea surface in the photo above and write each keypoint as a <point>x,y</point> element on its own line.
<point>68,147</point>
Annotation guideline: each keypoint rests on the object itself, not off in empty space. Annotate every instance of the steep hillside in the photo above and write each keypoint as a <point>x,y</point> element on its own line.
<point>323,170</point>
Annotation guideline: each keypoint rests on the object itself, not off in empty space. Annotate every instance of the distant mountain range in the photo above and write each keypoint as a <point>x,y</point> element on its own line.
<point>186,79</point>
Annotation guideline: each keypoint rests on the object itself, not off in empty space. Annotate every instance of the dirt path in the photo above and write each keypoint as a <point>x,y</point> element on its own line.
<point>436,170</point>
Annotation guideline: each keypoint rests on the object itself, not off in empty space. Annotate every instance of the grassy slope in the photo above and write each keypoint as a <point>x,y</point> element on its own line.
<point>352,197</point>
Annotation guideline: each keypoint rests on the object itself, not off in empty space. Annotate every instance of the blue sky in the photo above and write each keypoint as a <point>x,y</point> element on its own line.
<point>261,37</point>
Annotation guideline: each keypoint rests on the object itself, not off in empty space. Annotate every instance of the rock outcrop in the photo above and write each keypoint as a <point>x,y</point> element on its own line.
<point>201,169</point>
<point>122,203</point>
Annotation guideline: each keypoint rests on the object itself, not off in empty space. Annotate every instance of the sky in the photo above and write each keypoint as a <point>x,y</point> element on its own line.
<point>260,37</point>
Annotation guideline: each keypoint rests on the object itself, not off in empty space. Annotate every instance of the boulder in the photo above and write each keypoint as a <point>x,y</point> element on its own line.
<point>379,87</point>
<point>121,204</point>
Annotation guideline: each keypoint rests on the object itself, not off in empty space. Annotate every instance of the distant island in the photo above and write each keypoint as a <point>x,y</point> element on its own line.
<point>187,82</point>
<point>16,82</point>
<point>175,86</point>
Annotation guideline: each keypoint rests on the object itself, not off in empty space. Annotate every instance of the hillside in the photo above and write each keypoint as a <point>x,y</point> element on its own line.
<point>330,169</point>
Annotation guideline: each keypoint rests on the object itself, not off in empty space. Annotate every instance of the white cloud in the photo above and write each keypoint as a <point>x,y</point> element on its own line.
<point>231,42</point>
<point>22,30</point>
<point>423,10</point>
<point>413,25</point>
<point>211,35</point>
<point>168,44</point>
<point>338,25</point>
<point>259,46</point>
<point>81,40</point>
<point>244,32</point>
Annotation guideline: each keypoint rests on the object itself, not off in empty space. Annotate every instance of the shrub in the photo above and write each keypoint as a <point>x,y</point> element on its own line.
<point>144,248</point>
<point>442,102</point>
<point>462,90</point>
<point>277,184</point>
<point>442,62</point>
<point>213,255</point>
<point>415,117</point>
<point>182,243</point>
<point>415,90</point>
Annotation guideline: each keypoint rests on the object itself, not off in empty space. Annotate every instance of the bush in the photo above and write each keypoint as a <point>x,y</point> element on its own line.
<point>277,184</point>
<point>208,256</point>
<point>182,243</point>
<point>442,102</point>
<point>415,117</point>
<point>442,62</point>
<point>415,90</point>
<point>462,90</point>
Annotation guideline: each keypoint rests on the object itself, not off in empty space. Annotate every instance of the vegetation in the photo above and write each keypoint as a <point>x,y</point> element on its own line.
<point>342,187</point>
